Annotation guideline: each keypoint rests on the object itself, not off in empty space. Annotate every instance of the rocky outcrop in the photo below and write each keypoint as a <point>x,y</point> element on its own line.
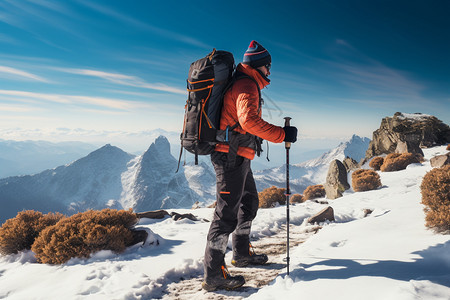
<point>440,160</point>
<point>327,214</point>
<point>408,132</point>
<point>336,182</point>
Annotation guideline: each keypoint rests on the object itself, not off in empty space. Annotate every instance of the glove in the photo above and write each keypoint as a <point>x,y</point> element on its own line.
<point>290,133</point>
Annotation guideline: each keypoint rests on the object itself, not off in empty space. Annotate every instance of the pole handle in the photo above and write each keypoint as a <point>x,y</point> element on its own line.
<point>287,122</point>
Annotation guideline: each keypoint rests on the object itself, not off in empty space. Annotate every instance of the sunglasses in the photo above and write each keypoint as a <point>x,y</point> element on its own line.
<point>268,66</point>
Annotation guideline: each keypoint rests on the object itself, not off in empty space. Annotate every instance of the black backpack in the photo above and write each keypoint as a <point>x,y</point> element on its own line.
<point>208,80</point>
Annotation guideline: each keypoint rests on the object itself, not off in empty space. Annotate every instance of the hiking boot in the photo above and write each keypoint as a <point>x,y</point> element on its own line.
<point>251,259</point>
<point>255,259</point>
<point>226,281</point>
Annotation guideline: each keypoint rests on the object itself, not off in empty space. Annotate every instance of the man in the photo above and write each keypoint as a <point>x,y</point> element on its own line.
<point>237,197</point>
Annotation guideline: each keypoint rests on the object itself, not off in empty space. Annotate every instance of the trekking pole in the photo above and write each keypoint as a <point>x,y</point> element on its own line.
<point>287,145</point>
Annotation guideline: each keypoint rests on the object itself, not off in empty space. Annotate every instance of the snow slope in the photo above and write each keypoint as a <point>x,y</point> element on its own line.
<point>386,255</point>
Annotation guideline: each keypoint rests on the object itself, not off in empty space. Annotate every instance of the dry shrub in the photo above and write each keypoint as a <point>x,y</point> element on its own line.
<point>296,198</point>
<point>435,189</point>
<point>365,180</point>
<point>397,161</point>
<point>376,163</point>
<point>313,192</point>
<point>271,196</point>
<point>18,234</point>
<point>85,233</point>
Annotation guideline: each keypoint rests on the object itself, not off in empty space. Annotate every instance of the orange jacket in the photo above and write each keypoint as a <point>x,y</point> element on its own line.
<point>241,104</point>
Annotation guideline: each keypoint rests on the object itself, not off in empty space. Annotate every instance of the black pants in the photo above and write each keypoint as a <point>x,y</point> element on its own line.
<point>237,204</point>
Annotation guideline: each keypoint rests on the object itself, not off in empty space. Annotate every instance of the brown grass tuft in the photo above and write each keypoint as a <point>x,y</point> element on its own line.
<point>296,198</point>
<point>271,196</point>
<point>435,190</point>
<point>376,163</point>
<point>85,233</point>
<point>365,180</point>
<point>313,192</point>
<point>397,161</point>
<point>19,233</point>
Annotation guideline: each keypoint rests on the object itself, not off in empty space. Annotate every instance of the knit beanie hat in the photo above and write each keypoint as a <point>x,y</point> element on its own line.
<point>256,55</point>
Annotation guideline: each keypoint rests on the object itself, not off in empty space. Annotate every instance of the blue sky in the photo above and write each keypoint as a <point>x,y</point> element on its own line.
<point>110,71</point>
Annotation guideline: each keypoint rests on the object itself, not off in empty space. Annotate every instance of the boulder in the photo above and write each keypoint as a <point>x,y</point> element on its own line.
<point>154,214</point>
<point>327,214</point>
<point>177,216</point>
<point>414,130</point>
<point>350,164</point>
<point>336,182</point>
<point>440,160</point>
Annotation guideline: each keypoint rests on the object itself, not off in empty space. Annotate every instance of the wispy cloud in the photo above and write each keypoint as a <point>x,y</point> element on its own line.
<point>107,103</point>
<point>14,108</point>
<point>32,16</point>
<point>126,80</point>
<point>365,77</point>
<point>7,39</point>
<point>145,26</point>
<point>379,80</point>
<point>21,73</point>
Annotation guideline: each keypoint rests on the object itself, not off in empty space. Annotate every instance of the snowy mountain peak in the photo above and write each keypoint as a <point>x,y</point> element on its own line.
<point>158,154</point>
<point>160,145</point>
<point>105,155</point>
<point>355,148</point>
<point>106,150</point>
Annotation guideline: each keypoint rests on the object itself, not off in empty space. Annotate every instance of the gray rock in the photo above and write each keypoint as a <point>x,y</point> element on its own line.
<point>416,130</point>
<point>336,182</point>
<point>156,214</point>
<point>327,214</point>
<point>350,164</point>
<point>440,160</point>
<point>411,147</point>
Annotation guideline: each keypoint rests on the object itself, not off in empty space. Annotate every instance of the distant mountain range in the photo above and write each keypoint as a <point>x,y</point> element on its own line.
<point>110,177</point>
<point>30,157</point>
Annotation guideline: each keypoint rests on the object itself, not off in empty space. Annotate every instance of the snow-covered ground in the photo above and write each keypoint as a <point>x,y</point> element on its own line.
<point>387,255</point>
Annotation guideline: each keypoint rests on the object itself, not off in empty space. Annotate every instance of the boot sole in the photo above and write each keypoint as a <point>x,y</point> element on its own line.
<point>246,263</point>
